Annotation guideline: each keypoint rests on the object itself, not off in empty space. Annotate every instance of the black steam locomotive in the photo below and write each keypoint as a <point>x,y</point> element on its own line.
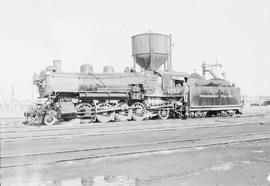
<point>149,93</point>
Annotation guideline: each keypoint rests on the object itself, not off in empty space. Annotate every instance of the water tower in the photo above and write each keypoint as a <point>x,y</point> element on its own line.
<point>152,50</point>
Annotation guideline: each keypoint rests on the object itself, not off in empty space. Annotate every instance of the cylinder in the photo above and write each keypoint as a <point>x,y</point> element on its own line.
<point>108,69</point>
<point>86,69</point>
<point>57,65</point>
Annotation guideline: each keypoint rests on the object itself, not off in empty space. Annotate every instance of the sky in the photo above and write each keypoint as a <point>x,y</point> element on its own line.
<point>33,33</point>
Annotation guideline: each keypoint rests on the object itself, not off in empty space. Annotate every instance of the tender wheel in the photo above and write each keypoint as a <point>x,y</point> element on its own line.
<point>102,115</point>
<point>224,114</point>
<point>124,114</point>
<point>204,114</point>
<point>138,111</point>
<point>230,113</point>
<point>86,110</point>
<point>164,113</point>
<point>49,119</point>
<point>192,115</point>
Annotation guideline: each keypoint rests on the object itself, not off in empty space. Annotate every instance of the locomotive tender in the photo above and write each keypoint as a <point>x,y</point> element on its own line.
<point>111,96</point>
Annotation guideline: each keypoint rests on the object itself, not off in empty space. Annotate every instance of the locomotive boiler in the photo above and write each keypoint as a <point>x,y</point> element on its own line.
<point>155,90</point>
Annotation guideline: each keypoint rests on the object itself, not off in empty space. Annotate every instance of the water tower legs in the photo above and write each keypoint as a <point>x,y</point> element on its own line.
<point>169,62</point>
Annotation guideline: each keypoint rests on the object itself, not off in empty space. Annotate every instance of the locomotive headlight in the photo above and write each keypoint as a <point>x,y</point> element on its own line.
<point>26,114</point>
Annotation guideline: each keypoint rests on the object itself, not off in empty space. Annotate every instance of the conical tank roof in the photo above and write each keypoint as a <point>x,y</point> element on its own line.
<point>151,50</point>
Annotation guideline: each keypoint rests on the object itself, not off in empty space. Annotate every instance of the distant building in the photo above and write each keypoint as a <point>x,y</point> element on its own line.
<point>255,100</point>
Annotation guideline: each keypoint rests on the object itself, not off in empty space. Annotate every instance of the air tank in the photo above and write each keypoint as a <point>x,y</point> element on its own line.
<point>108,69</point>
<point>86,69</point>
<point>152,50</point>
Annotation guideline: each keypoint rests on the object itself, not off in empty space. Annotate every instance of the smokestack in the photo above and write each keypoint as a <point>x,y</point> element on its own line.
<point>57,65</point>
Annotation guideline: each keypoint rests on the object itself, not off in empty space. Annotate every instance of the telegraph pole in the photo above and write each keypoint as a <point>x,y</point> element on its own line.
<point>12,94</point>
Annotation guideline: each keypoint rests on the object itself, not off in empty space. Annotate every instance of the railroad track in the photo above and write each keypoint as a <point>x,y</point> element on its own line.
<point>22,160</point>
<point>7,127</point>
<point>119,125</point>
<point>33,127</point>
<point>87,132</point>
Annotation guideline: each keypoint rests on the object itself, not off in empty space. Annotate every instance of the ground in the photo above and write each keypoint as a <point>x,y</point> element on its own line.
<point>211,151</point>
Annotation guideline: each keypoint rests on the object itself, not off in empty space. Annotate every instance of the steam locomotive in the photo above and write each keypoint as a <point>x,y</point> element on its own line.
<point>138,95</point>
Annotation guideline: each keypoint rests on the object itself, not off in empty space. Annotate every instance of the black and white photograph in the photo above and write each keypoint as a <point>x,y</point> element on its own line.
<point>134,92</point>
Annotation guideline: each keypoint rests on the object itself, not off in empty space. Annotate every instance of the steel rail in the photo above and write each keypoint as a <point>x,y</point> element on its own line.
<point>229,139</point>
<point>102,125</point>
<point>110,132</point>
